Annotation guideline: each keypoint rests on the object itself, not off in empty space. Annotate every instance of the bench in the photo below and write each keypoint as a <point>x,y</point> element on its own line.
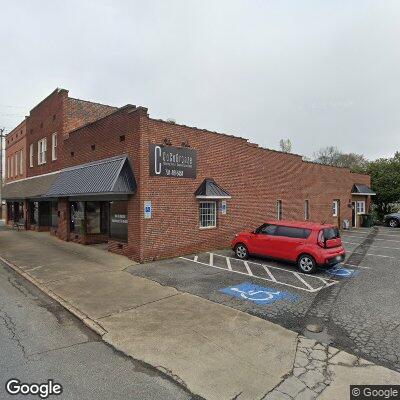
<point>20,224</point>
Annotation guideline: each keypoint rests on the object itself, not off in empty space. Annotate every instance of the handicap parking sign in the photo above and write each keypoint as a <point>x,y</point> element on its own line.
<point>258,294</point>
<point>341,272</point>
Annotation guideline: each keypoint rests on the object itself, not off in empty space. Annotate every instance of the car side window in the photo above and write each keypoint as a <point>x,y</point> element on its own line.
<point>268,229</point>
<point>265,229</point>
<point>292,232</point>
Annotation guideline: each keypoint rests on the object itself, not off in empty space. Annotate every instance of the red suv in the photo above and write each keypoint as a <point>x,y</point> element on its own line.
<point>306,243</point>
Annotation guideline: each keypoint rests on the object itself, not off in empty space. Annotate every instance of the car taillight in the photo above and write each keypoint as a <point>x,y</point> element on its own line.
<point>320,240</point>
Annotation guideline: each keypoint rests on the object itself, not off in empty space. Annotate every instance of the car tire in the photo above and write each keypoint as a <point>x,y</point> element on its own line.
<point>307,264</point>
<point>241,251</point>
<point>393,223</point>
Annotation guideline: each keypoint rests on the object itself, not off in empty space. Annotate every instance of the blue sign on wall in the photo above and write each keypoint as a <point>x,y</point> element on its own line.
<point>341,272</point>
<point>258,294</point>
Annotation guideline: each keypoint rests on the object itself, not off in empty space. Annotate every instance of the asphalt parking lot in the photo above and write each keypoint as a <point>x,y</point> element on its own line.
<point>357,304</point>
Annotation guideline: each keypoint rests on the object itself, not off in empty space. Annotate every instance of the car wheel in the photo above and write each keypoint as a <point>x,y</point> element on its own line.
<point>241,251</point>
<point>307,264</point>
<point>393,223</point>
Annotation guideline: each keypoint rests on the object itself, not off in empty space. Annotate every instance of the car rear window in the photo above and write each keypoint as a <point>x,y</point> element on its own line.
<point>331,233</point>
<point>288,231</point>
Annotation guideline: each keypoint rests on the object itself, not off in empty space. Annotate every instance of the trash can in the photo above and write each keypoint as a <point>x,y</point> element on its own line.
<point>366,221</point>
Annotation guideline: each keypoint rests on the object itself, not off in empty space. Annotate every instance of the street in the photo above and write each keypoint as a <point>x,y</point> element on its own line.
<point>39,340</point>
<point>356,306</point>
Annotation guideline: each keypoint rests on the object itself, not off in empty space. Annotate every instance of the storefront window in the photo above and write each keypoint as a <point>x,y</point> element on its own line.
<point>78,217</point>
<point>92,217</point>
<point>119,220</point>
<point>45,213</point>
<point>34,212</point>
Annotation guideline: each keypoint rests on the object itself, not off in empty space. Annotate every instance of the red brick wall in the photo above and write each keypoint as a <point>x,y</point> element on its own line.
<point>105,134</point>
<point>15,142</point>
<point>60,114</point>
<point>81,112</point>
<point>255,177</point>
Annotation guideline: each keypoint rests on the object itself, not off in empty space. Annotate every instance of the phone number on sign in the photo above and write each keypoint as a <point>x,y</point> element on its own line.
<point>173,172</point>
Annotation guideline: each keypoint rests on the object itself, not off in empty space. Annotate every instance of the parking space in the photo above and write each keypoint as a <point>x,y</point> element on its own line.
<point>356,303</point>
<point>282,275</point>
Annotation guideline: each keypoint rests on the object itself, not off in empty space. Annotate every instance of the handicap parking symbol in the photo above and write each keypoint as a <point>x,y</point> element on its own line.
<point>258,294</point>
<point>341,272</point>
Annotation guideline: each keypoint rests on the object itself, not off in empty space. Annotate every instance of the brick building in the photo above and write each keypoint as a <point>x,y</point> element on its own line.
<point>153,189</point>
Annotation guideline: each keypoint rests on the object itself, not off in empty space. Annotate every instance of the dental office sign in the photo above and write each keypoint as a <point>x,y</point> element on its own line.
<point>173,162</point>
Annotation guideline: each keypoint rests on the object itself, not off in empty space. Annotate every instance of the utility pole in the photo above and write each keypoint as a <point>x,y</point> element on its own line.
<point>1,171</point>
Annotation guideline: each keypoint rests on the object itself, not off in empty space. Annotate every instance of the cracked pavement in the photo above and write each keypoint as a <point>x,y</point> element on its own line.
<point>360,314</point>
<point>40,340</point>
<point>312,373</point>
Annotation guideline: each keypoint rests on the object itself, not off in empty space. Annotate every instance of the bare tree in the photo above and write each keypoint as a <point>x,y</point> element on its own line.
<point>285,145</point>
<point>331,155</point>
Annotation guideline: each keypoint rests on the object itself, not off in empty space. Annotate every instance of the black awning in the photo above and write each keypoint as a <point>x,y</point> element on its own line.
<point>209,189</point>
<point>29,188</point>
<point>111,176</point>
<point>361,189</point>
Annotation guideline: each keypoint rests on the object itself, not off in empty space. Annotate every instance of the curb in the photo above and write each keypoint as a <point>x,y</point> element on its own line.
<point>90,323</point>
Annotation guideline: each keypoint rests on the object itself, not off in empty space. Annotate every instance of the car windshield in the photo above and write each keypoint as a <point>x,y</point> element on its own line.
<point>331,233</point>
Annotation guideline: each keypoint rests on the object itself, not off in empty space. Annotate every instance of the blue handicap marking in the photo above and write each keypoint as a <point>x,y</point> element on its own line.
<point>258,294</point>
<point>341,272</point>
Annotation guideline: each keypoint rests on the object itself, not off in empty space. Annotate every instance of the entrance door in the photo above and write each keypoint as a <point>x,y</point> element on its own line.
<point>353,214</point>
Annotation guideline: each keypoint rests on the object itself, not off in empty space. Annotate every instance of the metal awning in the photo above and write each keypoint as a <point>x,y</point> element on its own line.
<point>29,188</point>
<point>209,189</point>
<point>362,190</point>
<point>108,177</point>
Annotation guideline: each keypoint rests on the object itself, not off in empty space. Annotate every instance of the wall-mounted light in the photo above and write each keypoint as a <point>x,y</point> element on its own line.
<point>185,144</point>
<point>167,142</point>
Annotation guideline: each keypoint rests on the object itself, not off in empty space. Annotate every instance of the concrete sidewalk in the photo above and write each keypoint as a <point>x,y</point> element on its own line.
<point>215,351</point>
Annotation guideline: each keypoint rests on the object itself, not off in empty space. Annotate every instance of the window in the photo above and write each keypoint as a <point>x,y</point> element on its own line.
<point>292,232</point>
<point>306,210</point>
<point>279,211</point>
<point>16,164</point>
<point>361,207</point>
<point>331,233</point>
<point>33,212</point>
<point>42,147</point>
<point>335,208</point>
<point>21,162</point>
<point>266,229</point>
<point>8,167</point>
<point>208,214</point>
<point>77,215</point>
<point>12,167</point>
<point>31,155</point>
<point>119,220</point>
<point>54,146</point>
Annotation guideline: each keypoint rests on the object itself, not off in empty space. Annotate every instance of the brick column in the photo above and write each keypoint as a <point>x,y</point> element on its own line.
<point>63,219</point>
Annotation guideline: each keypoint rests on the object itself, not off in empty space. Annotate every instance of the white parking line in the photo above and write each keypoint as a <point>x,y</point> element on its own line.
<point>356,266</point>
<point>269,273</point>
<point>228,263</point>
<point>268,269</point>
<point>375,255</point>
<point>371,245</point>
<point>247,268</point>
<point>375,238</point>
<point>302,280</point>
<point>363,235</point>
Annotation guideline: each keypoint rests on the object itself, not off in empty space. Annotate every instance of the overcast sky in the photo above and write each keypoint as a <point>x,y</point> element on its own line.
<point>318,72</point>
